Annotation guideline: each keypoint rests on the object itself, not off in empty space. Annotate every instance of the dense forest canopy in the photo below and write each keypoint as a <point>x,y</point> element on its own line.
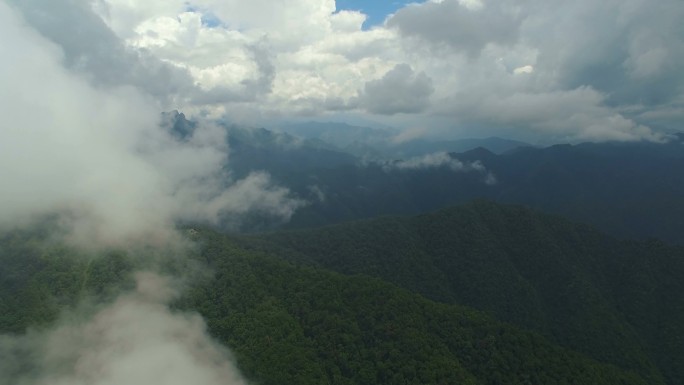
<point>522,298</point>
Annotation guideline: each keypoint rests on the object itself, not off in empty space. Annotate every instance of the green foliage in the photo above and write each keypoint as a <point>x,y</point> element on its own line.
<point>359,330</point>
<point>625,189</point>
<point>556,303</point>
<point>618,302</point>
<point>40,277</point>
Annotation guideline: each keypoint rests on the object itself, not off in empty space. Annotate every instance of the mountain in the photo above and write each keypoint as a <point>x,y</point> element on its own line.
<point>374,143</point>
<point>418,147</point>
<point>618,302</point>
<point>628,189</point>
<point>289,323</point>
<point>259,149</point>
<point>178,124</point>
<point>341,135</point>
<point>631,190</point>
<point>255,149</point>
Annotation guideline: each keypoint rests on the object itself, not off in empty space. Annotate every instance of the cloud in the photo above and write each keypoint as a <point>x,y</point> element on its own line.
<point>213,90</point>
<point>409,134</point>
<point>257,61</point>
<point>98,156</point>
<point>89,47</point>
<point>399,91</point>
<point>561,115</point>
<point>317,192</point>
<point>629,50</point>
<point>157,55</point>
<point>457,25</point>
<point>438,160</point>
<point>83,144</point>
<point>136,339</point>
<point>253,194</point>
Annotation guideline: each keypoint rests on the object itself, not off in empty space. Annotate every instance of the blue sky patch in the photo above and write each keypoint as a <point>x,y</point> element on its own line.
<point>376,10</point>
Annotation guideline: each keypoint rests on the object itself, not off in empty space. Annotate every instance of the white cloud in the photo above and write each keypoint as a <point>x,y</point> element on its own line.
<point>409,134</point>
<point>441,159</point>
<point>199,56</point>
<point>97,155</point>
<point>136,339</point>
<point>561,115</point>
<point>526,69</point>
<point>438,159</point>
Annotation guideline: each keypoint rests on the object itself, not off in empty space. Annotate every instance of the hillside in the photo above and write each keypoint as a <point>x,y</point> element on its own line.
<point>288,323</point>
<point>386,143</point>
<point>618,302</point>
<point>630,190</point>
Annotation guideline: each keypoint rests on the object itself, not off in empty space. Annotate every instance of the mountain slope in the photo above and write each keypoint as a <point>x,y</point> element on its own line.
<point>361,330</point>
<point>629,190</point>
<point>384,144</point>
<point>618,302</point>
<point>288,323</point>
<point>278,153</point>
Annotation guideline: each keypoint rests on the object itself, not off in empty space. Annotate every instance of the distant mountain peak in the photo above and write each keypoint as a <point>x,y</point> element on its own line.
<point>178,124</point>
<point>478,153</point>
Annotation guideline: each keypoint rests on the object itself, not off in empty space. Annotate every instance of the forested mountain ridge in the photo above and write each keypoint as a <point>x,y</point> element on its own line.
<point>289,323</point>
<point>386,143</point>
<point>616,301</point>
<point>630,190</point>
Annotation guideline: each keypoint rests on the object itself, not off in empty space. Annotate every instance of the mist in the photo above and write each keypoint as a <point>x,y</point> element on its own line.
<point>441,159</point>
<point>98,157</point>
<point>97,161</point>
<point>136,340</point>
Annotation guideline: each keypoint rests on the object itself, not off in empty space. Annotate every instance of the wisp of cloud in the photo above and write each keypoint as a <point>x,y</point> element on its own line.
<point>441,159</point>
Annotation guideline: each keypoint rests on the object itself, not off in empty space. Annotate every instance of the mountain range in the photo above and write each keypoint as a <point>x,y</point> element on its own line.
<point>630,190</point>
<point>615,301</point>
<point>483,266</point>
<point>387,143</point>
<point>475,294</point>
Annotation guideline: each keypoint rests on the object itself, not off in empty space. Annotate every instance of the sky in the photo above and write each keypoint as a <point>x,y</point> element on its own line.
<point>376,11</point>
<point>542,71</point>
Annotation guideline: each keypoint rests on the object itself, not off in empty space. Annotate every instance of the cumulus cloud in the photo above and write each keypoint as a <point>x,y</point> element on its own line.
<point>440,159</point>
<point>560,115</point>
<point>89,47</point>
<point>259,61</point>
<point>400,90</point>
<point>136,339</point>
<point>97,155</point>
<point>459,25</point>
<point>627,50</point>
